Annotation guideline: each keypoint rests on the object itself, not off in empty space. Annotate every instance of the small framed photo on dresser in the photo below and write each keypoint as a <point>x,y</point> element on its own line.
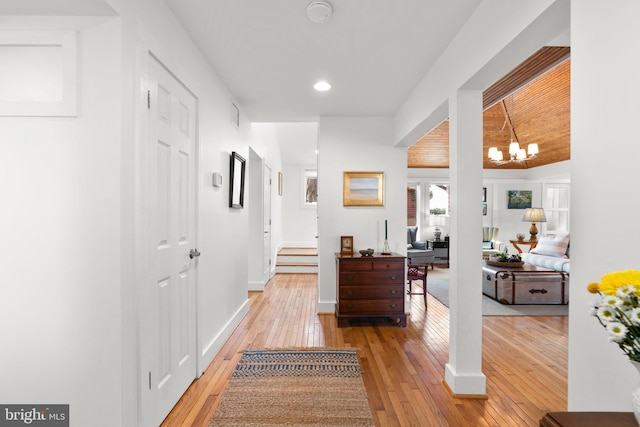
<point>346,244</point>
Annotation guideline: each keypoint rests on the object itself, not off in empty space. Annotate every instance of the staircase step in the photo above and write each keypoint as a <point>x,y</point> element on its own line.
<point>297,260</point>
<point>298,252</point>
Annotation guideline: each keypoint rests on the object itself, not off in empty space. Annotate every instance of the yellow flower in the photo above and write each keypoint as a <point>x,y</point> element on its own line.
<point>593,287</point>
<point>612,281</point>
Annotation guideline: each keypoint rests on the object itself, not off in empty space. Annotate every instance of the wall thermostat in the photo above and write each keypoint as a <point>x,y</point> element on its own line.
<point>217,179</point>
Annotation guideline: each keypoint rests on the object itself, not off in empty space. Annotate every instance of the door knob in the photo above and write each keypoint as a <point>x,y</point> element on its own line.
<point>194,253</point>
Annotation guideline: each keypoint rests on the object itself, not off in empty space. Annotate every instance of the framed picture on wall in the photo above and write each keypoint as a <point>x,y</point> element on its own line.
<point>484,209</point>
<point>236,187</point>
<point>519,199</point>
<point>484,194</point>
<point>363,189</point>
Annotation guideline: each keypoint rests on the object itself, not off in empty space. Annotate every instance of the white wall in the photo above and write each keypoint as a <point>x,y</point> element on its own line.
<point>60,299</point>
<point>602,92</point>
<point>299,221</point>
<point>357,144</point>
<point>296,143</point>
<point>266,151</point>
<point>70,252</point>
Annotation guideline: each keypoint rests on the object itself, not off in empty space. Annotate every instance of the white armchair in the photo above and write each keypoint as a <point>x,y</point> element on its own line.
<point>490,242</point>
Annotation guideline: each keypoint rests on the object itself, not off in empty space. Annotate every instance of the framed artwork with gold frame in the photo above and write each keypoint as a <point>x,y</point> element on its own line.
<point>363,189</point>
<point>346,244</point>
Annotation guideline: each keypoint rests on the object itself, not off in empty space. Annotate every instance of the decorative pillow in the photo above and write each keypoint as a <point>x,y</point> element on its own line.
<point>414,272</point>
<point>419,245</point>
<point>553,245</point>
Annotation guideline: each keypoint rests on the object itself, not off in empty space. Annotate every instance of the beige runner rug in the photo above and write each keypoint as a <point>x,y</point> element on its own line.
<point>295,387</point>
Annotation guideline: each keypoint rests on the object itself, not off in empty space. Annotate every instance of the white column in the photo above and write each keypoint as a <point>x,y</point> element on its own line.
<point>463,373</point>
<point>605,90</point>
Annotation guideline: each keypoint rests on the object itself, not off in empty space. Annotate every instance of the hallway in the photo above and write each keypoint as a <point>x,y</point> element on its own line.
<point>403,368</point>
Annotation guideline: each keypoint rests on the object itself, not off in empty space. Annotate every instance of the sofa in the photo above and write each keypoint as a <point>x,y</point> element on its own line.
<point>552,251</point>
<point>417,252</point>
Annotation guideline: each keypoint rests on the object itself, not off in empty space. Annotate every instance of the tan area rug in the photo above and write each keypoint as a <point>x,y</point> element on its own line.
<point>295,387</point>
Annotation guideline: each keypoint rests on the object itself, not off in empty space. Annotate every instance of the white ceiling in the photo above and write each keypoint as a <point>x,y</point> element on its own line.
<point>373,52</point>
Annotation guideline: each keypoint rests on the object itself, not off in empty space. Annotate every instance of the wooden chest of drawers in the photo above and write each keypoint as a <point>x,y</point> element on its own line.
<point>370,286</point>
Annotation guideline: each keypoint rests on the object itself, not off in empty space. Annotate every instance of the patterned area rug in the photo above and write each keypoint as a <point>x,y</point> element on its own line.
<point>295,387</point>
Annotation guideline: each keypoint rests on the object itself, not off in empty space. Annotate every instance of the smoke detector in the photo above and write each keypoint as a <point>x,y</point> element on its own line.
<point>319,11</point>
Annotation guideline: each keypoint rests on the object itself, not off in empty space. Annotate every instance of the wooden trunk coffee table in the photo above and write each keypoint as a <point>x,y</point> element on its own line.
<point>528,284</point>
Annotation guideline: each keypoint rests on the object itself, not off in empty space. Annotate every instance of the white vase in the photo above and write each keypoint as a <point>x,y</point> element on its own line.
<point>636,395</point>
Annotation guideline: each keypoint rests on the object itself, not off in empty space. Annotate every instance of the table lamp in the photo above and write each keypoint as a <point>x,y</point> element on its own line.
<point>534,215</point>
<point>437,221</point>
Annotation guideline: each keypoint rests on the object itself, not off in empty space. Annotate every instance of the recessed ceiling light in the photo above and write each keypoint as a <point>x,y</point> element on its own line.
<point>322,86</point>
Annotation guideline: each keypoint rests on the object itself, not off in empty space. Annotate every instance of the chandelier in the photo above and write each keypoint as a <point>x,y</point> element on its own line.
<point>516,153</point>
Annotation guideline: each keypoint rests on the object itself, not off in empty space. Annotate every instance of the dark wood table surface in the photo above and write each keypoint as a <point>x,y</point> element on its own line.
<point>588,419</point>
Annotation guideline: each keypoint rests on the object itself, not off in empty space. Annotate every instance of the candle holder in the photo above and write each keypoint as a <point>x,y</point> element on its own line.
<point>385,248</point>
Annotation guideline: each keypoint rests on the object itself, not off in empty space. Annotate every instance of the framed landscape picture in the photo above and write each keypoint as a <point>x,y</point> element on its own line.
<point>519,199</point>
<point>363,189</point>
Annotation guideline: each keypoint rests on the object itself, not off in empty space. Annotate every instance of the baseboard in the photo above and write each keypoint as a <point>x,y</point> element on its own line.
<point>326,306</point>
<point>471,386</point>
<point>256,286</point>
<point>218,341</point>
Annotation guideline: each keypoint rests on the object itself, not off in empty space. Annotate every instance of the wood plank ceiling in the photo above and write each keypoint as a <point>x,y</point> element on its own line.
<point>536,97</point>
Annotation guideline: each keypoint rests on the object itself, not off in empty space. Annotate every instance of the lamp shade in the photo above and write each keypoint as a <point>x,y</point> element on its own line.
<point>514,147</point>
<point>534,215</point>
<point>437,220</point>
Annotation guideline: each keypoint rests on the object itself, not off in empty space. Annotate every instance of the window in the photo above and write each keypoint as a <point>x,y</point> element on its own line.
<point>556,206</point>
<point>439,199</point>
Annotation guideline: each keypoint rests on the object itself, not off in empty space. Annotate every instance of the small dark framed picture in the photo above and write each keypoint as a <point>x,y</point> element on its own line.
<point>236,187</point>
<point>484,209</point>
<point>484,194</point>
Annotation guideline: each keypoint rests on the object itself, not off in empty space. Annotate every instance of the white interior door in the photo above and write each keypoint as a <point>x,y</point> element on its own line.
<point>266,202</point>
<point>171,315</point>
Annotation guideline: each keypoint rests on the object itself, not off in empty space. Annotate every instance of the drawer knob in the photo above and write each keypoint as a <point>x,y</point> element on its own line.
<point>350,278</point>
<point>349,305</point>
<point>393,277</point>
<point>349,292</point>
<point>394,291</point>
<point>393,305</point>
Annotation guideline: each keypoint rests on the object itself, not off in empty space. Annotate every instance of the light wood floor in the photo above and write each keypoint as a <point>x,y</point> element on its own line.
<point>524,359</point>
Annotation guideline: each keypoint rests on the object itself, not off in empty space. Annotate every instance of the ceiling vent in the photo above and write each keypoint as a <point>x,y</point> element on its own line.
<point>319,11</point>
